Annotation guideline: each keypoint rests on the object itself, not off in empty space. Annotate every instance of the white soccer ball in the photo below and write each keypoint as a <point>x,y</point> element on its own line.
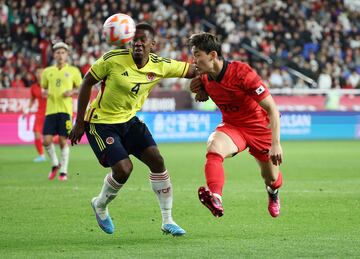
<point>119,29</point>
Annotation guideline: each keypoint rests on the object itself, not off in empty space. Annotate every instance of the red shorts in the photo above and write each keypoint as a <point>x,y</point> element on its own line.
<point>39,123</point>
<point>256,138</point>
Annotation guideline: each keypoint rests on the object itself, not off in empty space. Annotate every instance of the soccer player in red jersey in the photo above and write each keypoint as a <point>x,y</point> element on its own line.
<point>250,119</point>
<point>36,95</point>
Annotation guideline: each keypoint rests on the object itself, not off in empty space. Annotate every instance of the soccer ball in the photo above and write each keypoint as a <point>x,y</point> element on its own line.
<point>119,29</point>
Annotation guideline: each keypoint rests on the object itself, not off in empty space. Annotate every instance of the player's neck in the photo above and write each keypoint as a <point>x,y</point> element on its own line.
<point>217,67</point>
<point>60,65</point>
<point>140,63</point>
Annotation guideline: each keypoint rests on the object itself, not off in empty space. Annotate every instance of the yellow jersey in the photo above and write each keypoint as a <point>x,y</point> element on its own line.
<point>125,87</point>
<point>57,81</point>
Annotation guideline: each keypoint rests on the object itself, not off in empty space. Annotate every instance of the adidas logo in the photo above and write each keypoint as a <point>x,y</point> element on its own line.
<point>125,74</point>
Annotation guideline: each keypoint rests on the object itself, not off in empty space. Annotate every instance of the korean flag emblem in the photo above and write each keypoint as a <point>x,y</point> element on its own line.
<point>260,90</point>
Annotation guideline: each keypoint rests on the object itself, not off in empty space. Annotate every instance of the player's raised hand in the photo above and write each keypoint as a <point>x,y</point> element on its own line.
<point>275,154</point>
<point>196,85</point>
<point>77,132</point>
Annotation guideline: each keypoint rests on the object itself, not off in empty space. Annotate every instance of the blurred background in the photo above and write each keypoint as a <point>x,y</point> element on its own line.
<point>307,52</point>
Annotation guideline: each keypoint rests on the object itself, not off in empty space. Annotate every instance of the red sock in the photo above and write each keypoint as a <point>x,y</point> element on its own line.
<point>214,172</point>
<point>39,146</point>
<point>277,184</point>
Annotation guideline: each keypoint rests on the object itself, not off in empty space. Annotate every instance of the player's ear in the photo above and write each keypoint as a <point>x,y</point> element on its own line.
<point>213,54</point>
<point>152,46</point>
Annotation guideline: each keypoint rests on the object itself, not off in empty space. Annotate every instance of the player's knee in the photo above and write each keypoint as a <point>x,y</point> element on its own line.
<point>122,170</point>
<point>214,147</point>
<point>46,142</point>
<point>157,164</point>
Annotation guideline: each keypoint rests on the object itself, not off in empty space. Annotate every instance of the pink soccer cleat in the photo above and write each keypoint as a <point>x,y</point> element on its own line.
<point>63,177</point>
<point>274,204</point>
<point>53,172</point>
<point>210,201</point>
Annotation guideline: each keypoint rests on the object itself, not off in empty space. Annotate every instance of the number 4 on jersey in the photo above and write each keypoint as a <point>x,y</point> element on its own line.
<point>135,89</point>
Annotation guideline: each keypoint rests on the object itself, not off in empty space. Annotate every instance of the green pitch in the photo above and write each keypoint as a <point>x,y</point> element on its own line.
<point>51,219</point>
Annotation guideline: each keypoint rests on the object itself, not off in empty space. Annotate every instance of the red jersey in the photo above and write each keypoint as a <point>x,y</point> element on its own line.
<point>237,92</point>
<point>36,93</point>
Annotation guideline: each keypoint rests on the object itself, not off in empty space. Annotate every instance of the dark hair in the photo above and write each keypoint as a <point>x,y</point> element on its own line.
<point>206,42</point>
<point>147,27</point>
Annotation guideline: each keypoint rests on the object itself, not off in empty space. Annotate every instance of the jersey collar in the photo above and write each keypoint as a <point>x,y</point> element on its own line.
<point>221,74</point>
<point>65,65</point>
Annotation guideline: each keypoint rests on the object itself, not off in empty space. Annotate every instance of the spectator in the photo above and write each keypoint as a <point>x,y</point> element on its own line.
<point>354,79</point>
<point>17,82</point>
<point>276,80</point>
<point>325,81</point>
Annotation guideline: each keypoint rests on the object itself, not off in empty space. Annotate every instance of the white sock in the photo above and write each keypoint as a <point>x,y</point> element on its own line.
<point>271,190</point>
<point>65,151</point>
<point>217,196</point>
<point>50,149</point>
<point>109,191</point>
<point>161,185</point>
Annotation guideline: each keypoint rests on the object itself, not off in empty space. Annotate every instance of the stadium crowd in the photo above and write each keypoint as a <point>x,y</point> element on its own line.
<point>320,39</point>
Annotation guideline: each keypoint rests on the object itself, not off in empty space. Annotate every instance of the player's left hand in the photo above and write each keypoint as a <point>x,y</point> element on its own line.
<point>196,85</point>
<point>275,154</point>
<point>77,132</point>
<point>44,93</point>
<point>68,93</point>
<point>202,96</point>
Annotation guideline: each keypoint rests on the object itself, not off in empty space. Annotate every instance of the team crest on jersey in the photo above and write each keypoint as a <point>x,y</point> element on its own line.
<point>260,90</point>
<point>66,74</point>
<point>109,140</point>
<point>150,76</point>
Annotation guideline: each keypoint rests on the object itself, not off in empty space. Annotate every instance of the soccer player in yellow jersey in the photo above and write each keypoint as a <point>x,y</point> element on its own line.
<point>114,131</point>
<point>59,82</point>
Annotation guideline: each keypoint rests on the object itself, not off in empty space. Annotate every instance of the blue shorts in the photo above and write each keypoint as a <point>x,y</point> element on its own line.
<point>114,142</point>
<point>57,124</point>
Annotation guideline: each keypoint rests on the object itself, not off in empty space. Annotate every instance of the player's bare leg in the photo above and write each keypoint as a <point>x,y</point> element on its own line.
<point>50,149</point>
<point>219,146</point>
<point>273,181</point>
<point>113,182</point>
<point>161,185</point>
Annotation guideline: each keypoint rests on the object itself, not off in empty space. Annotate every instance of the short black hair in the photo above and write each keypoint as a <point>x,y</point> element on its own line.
<point>206,42</point>
<point>147,27</point>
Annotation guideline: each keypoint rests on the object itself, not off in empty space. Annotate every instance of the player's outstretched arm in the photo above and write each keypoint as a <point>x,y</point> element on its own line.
<point>27,109</point>
<point>275,153</point>
<point>192,71</point>
<point>83,100</point>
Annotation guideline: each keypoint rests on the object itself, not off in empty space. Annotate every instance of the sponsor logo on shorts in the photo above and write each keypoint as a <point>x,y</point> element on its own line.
<point>150,76</point>
<point>260,90</point>
<point>109,140</point>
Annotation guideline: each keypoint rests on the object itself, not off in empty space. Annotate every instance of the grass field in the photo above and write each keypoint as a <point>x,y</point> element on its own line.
<point>320,207</point>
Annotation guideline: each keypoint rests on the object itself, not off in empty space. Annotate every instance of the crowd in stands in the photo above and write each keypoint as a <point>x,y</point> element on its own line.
<point>315,38</point>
